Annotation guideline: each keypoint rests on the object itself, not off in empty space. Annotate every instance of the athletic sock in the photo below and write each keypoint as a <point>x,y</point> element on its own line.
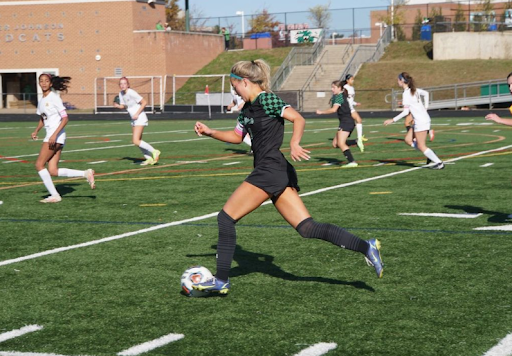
<point>247,140</point>
<point>66,172</point>
<point>146,146</point>
<point>309,228</point>
<point>431,155</point>
<point>348,155</point>
<point>359,129</point>
<point>226,245</point>
<point>47,181</point>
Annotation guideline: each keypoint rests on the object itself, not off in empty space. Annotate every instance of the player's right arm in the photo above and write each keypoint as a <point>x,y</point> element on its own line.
<point>225,136</point>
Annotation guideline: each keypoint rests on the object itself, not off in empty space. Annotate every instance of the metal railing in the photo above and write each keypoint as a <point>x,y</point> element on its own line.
<point>367,53</point>
<point>298,56</point>
<point>460,95</point>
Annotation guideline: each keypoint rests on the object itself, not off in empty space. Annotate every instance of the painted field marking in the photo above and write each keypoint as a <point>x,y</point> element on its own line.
<point>151,345</point>
<point>16,353</point>
<point>152,204</point>
<point>97,162</point>
<point>504,347</point>
<point>19,332</point>
<point>495,228</point>
<point>211,215</point>
<point>328,164</point>
<point>379,164</point>
<point>442,215</point>
<point>318,349</point>
<point>374,193</point>
<point>496,131</point>
<point>486,165</point>
<point>230,163</point>
<point>96,142</point>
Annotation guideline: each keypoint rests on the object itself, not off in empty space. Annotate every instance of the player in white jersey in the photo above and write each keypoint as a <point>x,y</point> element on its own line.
<point>236,105</point>
<point>495,117</point>
<point>53,118</point>
<point>349,87</point>
<point>412,104</point>
<point>130,100</point>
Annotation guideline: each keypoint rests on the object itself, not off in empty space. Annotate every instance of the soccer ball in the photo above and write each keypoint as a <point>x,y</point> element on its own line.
<point>196,274</point>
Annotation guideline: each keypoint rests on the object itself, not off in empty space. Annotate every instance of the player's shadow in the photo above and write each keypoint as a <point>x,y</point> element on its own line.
<point>133,159</point>
<point>331,160</point>
<point>250,262</point>
<point>397,162</point>
<point>68,188</point>
<point>495,216</point>
<point>238,150</point>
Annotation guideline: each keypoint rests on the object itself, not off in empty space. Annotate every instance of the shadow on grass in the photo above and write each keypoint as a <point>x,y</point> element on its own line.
<point>495,216</point>
<point>250,262</point>
<point>239,150</point>
<point>397,162</point>
<point>133,159</point>
<point>331,160</point>
<point>66,189</point>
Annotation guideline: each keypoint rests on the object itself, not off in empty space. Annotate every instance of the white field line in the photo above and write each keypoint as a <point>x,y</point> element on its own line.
<point>230,163</point>
<point>443,215</point>
<point>211,215</point>
<point>97,162</point>
<point>504,347</point>
<point>19,332</point>
<point>150,345</point>
<point>495,228</point>
<point>318,349</point>
<point>16,353</point>
<point>486,165</point>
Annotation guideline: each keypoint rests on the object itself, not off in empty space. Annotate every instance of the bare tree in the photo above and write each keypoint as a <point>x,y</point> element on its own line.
<point>320,15</point>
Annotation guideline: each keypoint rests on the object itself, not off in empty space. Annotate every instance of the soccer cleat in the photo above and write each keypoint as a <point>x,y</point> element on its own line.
<point>360,144</point>
<point>156,156</point>
<point>213,285</point>
<point>350,165</point>
<point>439,165</point>
<point>363,138</point>
<point>147,162</point>
<point>373,258</point>
<point>89,175</point>
<point>51,199</point>
<point>432,134</point>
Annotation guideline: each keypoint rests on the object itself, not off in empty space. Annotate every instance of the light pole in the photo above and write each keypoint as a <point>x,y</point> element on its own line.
<point>241,13</point>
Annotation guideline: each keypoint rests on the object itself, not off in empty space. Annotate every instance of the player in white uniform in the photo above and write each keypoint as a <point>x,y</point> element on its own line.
<point>54,118</point>
<point>412,104</point>
<point>495,117</point>
<point>130,100</point>
<point>236,104</point>
<point>349,78</point>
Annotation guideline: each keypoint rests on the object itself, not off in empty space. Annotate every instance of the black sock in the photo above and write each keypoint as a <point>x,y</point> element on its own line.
<point>408,128</point>
<point>226,245</point>
<point>309,228</point>
<point>349,156</point>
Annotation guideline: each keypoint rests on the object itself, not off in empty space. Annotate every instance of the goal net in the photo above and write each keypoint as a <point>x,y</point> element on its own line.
<point>149,87</point>
<point>210,91</point>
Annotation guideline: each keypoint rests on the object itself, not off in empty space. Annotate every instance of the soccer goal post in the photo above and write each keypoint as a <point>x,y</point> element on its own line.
<point>150,88</point>
<point>198,90</point>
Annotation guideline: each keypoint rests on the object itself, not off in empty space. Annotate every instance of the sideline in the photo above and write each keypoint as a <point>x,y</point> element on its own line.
<point>211,215</point>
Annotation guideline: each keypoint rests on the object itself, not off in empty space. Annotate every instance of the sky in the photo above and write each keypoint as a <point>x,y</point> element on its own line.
<point>223,12</point>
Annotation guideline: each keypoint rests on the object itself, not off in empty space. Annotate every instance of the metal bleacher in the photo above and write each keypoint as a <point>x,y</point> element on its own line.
<point>457,96</point>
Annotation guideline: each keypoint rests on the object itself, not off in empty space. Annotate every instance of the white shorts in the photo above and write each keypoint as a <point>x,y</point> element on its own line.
<point>61,137</point>
<point>141,121</point>
<point>421,126</point>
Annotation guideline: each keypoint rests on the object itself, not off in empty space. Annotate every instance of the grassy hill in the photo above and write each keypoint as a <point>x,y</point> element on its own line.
<point>375,80</point>
<point>222,65</point>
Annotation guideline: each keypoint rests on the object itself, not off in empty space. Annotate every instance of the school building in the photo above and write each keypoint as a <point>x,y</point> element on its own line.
<point>90,39</point>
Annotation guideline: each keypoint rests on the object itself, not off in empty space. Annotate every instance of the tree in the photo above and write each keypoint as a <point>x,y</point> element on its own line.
<point>264,22</point>
<point>395,17</point>
<point>416,29</point>
<point>320,15</point>
<point>174,16</point>
<point>460,19</point>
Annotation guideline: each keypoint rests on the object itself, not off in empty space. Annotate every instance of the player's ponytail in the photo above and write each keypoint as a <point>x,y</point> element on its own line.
<point>58,83</point>
<point>256,71</point>
<point>407,79</point>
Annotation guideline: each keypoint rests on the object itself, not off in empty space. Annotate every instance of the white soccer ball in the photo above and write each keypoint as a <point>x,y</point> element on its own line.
<point>196,274</point>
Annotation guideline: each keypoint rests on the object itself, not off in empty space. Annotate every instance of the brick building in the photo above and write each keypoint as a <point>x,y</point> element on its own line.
<point>88,39</point>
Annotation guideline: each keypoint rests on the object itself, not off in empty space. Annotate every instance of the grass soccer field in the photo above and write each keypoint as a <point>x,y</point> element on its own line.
<point>99,273</point>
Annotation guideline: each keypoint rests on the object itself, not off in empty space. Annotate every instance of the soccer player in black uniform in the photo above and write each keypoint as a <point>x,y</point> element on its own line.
<point>342,106</point>
<point>273,176</point>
